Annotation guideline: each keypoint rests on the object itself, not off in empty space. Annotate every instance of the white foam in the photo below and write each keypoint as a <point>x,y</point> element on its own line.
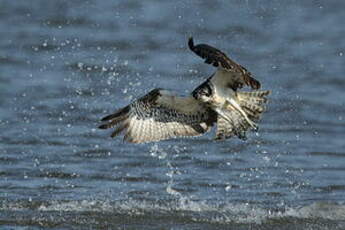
<point>325,210</point>
<point>195,209</point>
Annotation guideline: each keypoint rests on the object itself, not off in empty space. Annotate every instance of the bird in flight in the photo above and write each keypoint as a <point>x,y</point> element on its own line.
<point>163,114</point>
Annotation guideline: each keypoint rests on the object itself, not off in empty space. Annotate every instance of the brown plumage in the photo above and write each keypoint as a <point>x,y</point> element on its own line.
<point>253,103</point>
<point>217,58</point>
<point>160,115</point>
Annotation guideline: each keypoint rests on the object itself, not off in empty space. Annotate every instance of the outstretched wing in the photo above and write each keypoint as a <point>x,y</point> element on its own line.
<point>219,59</point>
<point>160,115</point>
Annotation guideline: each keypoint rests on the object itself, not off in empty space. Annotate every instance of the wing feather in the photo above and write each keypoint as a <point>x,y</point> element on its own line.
<point>217,58</point>
<point>121,127</point>
<point>160,115</point>
<point>134,130</point>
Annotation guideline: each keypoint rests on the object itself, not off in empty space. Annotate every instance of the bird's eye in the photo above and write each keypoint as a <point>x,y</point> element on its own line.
<point>203,90</point>
<point>206,91</point>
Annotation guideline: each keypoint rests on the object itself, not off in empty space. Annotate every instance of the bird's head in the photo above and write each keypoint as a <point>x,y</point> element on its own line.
<point>203,92</point>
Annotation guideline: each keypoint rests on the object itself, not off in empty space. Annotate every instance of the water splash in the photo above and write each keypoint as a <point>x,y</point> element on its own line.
<point>197,210</point>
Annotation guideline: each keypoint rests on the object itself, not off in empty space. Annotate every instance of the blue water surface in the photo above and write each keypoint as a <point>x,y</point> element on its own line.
<point>66,64</point>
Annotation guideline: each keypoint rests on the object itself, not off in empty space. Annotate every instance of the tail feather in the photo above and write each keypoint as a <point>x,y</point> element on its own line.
<point>232,123</point>
<point>254,94</point>
<point>253,103</point>
<point>251,114</point>
<point>255,107</point>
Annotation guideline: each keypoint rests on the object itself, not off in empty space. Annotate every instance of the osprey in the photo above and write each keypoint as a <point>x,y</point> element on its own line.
<point>162,114</point>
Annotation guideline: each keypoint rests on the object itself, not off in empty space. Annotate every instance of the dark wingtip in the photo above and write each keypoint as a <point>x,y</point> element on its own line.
<point>106,118</point>
<point>254,84</point>
<point>118,113</point>
<point>219,138</point>
<point>257,85</point>
<point>191,43</point>
<point>104,126</point>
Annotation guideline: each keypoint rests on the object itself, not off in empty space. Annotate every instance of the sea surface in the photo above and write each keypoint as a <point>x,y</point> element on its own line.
<point>66,64</point>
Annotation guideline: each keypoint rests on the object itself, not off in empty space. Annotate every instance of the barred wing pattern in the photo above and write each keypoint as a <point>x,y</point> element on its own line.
<point>219,59</point>
<point>160,115</point>
<point>253,103</point>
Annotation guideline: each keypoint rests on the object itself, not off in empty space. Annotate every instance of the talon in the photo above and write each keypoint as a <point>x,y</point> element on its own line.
<point>256,127</point>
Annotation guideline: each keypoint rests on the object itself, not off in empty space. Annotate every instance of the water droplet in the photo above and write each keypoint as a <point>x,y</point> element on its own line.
<point>228,188</point>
